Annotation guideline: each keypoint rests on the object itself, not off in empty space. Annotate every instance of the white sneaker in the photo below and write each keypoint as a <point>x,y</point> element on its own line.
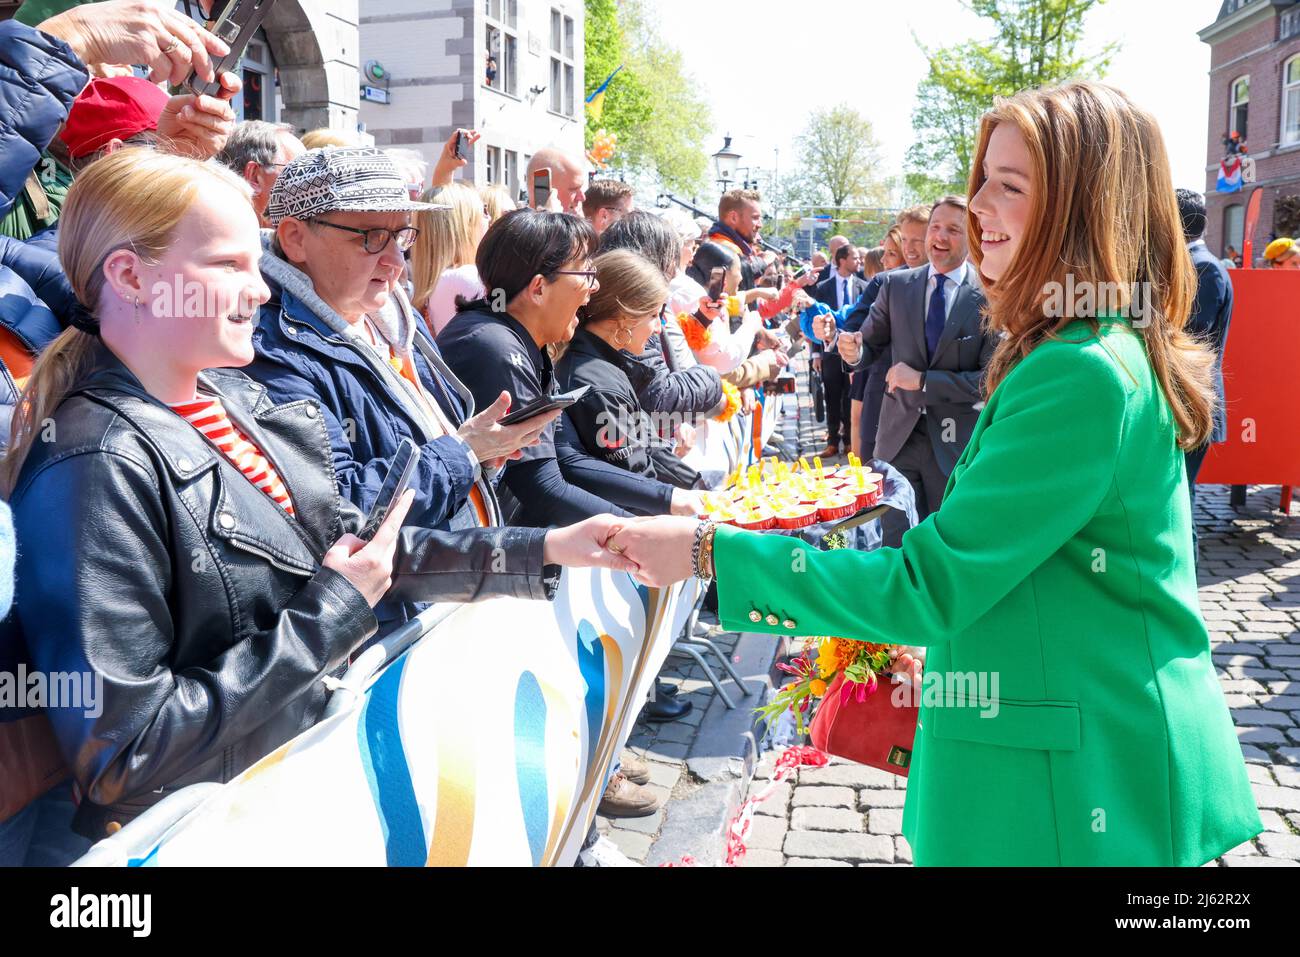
<point>604,853</point>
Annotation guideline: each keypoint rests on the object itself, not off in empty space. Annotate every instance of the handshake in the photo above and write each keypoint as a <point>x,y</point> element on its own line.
<point>656,551</point>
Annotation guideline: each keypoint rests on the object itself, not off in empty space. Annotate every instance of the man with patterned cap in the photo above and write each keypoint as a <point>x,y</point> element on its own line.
<point>340,329</point>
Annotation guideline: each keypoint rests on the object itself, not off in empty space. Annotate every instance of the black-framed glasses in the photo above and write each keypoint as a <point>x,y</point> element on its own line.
<point>590,274</point>
<point>376,240</point>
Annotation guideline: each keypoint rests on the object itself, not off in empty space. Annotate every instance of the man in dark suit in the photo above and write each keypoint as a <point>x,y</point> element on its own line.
<point>832,247</point>
<point>839,292</point>
<point>1211,315</point>
<point>931,318</point>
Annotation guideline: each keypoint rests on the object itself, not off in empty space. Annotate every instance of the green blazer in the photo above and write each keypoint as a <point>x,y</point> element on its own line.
<point>1060,565</point>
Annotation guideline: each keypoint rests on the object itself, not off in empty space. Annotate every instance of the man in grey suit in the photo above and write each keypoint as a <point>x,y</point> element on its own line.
<point>931,318</point>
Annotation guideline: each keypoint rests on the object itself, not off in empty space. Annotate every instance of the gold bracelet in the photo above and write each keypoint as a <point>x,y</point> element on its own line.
<point>706,568</point>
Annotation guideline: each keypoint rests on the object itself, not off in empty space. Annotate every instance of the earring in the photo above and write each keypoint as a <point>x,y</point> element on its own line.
<point>625,331</point>
<point>137,310</point>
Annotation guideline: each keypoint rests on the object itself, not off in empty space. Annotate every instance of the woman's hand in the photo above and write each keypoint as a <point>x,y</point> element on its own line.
<point>685,439</point>
<point>369,565</point>
<point>908,663</point>
<point>495,444</point>
<point>448,161</point>
<point>199,126</point>
<point>660,547</point>
<point>712,309</point>
<point>148,32</point>
<point>584,545</point>
<point>687,503</point>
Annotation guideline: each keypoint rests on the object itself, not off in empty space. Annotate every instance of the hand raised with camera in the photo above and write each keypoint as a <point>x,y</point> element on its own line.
<point>145,32</point>
<point>448,161</point>
<point>369,565</point>
<point>199,126</point>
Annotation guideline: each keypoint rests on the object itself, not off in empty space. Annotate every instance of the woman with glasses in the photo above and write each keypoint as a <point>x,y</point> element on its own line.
<point>442,259</point>
<point>339,329</point>
<point>537,270</point>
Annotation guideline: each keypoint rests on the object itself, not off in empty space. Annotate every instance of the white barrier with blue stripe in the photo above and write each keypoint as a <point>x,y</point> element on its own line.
<point>486,743</point>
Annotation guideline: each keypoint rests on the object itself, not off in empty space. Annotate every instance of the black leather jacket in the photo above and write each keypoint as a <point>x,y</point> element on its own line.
<point>149,561</point>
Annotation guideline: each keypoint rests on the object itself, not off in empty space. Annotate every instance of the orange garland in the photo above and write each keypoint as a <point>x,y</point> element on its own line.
<point>697,336</point>
<point>732,395</point>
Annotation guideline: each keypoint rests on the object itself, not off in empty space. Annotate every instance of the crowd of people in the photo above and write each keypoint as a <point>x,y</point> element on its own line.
<point>216,339</point>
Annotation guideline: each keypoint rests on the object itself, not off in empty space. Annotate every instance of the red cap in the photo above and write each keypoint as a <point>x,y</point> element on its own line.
<point>116,107</point>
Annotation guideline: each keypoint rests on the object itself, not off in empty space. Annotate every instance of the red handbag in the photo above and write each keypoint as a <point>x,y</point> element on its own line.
<point>875,732</point>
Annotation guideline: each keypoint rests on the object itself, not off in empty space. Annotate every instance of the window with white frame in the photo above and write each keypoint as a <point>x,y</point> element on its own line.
<point>1234,227</point>
<point>1290,25</point>
<point>562,67</point>
<point>1239,111</point>
<point>502,55</point>
<point>510,171</point>
<point>1291,102</point>
<point>492,164</point>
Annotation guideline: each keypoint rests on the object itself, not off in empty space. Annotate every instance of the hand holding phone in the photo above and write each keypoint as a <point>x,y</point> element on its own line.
<point>543,404</point>
<point>400,478</point>
<point>541,188</point>
<point>717,283</point>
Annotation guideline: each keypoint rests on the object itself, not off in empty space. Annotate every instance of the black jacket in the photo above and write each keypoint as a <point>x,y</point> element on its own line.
<point>150,562</point>
<point>609,421</point>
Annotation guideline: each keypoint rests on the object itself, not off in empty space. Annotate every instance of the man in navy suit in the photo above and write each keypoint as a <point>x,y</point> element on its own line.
<point>1211,315</point>
<point>839,292</point>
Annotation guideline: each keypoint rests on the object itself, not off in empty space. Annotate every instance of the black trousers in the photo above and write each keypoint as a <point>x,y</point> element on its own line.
<point>839,419</point>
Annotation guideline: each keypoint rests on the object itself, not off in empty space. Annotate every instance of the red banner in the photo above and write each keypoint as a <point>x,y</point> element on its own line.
<point>1261,367</point>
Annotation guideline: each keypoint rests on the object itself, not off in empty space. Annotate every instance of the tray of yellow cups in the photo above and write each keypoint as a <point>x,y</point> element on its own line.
<point>756,518</point>
<point>797,515</point>
<point>834,506</point>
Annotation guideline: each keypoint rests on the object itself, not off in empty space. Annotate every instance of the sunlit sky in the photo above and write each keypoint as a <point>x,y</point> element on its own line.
<point>763,65</point>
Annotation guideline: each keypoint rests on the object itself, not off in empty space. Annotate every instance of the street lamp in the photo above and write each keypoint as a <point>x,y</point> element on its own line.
<point>726,162</point>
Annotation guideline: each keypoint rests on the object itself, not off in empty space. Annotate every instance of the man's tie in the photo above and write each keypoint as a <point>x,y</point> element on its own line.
<point>936,315</point>
<point>844,296</point>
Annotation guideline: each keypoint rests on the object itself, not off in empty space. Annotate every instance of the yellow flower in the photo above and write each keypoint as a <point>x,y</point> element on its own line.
<point>828,659</point>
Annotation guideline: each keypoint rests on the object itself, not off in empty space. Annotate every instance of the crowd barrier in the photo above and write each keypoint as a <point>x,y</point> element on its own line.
<point>474,735</point>
<point>485,740</point>
<point>722,447</point>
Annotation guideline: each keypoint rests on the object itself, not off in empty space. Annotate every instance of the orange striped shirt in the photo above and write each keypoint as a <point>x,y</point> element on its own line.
<point>209,417</point>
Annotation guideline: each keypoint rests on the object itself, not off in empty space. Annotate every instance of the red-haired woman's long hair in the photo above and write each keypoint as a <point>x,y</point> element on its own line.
<point>1104,213</point>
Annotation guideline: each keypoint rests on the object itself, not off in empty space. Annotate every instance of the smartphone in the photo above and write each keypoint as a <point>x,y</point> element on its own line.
<point>784,384</point>
<point>800,273</point>
<point>541,188</point>
<point>462,147</point>
<point>401,476</point>
<point>542,405</point>
<point>717,282</point>
<point>236,25</point>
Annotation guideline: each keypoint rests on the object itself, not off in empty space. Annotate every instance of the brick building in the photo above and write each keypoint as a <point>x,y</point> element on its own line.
<point>1255,90</point>
<point>435,57</point>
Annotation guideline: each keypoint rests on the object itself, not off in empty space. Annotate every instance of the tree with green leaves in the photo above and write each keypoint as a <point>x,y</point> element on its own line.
<point>839,164</point>
<point>652,106</point>
<point>1034,43</point>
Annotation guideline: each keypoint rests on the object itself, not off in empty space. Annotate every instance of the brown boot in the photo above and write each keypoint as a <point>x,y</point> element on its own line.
<point>830,451</point>
<point>636,771</point>
<point>622,798</point>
